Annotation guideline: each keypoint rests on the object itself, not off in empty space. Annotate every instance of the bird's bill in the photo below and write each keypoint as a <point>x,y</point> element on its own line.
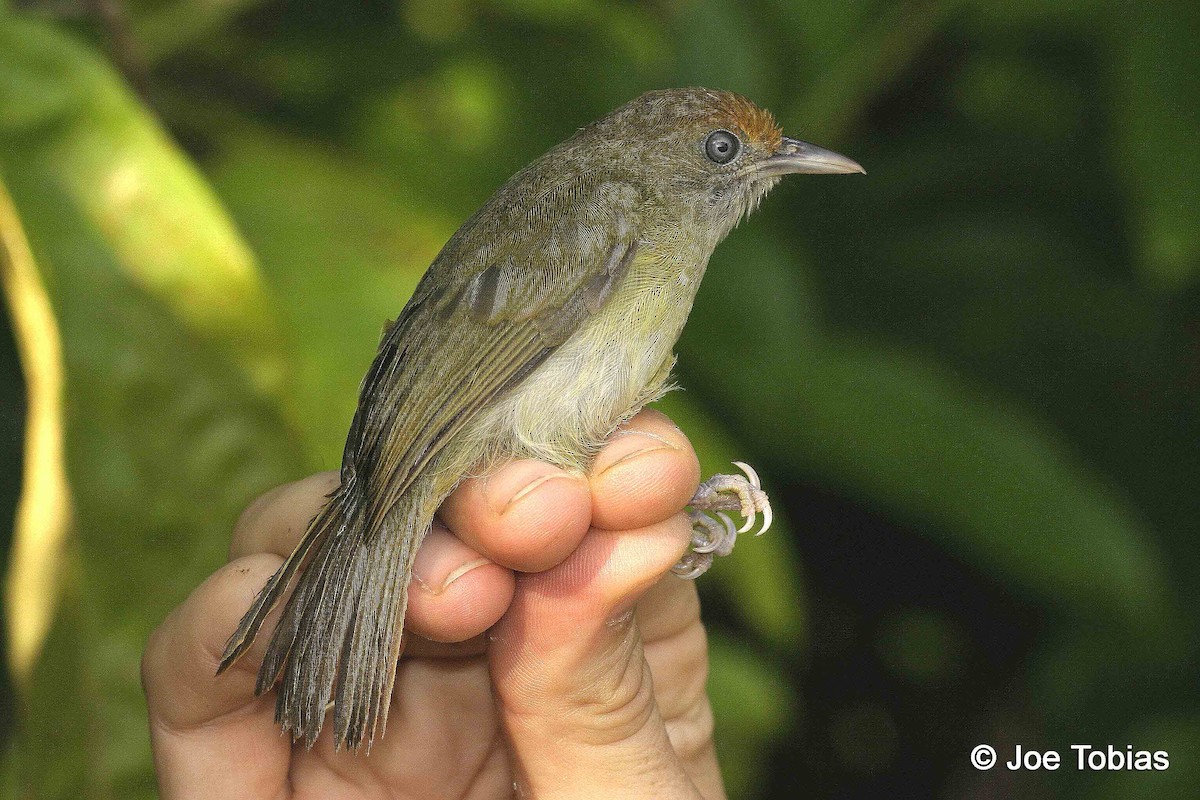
<point>794,156</point>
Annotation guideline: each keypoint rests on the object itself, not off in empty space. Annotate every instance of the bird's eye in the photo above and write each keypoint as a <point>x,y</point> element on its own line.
<point>722,147</point>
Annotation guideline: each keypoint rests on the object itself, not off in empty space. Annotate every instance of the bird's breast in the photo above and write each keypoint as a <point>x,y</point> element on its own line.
<point>618,361</point>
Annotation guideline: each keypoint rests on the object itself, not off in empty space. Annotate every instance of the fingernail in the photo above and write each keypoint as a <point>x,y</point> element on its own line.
<point>628,445</point>
<point>441,562</point>
<point>517,481</point>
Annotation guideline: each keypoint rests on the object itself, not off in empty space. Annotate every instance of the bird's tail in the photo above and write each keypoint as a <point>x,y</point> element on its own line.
<point>339,637</point>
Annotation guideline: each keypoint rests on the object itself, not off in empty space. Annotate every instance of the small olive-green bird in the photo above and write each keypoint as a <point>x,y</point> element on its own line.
<point>548,319</point>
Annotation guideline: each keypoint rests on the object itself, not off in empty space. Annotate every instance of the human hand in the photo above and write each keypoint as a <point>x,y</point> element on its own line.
<point>548,647</point>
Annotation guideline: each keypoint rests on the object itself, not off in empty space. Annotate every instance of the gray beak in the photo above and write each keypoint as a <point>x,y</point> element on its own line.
<point>794,156</point>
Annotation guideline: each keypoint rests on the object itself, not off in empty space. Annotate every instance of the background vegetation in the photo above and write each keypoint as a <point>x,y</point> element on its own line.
<point>970,378</point>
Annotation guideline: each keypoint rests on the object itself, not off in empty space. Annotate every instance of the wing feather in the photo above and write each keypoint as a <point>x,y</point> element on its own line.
<point>518,304</point>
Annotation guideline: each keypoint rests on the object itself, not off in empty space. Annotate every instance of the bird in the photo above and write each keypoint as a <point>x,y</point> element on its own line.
<point>547,320</point>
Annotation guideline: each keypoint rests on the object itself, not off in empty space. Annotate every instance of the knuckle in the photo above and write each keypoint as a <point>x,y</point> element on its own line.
<point>617,704</point>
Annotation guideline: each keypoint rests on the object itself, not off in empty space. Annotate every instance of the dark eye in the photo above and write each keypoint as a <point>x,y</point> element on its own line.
<point>722,147</point>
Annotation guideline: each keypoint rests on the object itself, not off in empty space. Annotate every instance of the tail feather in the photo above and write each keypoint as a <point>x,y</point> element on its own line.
<point>364,694</point>
<point>269,596</point>
<point>340,633</point>
<point>319,621</point>
<point>334,522</point>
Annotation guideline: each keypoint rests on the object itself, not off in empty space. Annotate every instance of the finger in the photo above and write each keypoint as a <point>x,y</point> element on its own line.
<point>445,605</point>
<point>646,473</point>
<point>528,515</point>
<point>200,723</point>
<point>676,649</point>
<point>275,521</point>
<point>180,663</point>
<point>456,593</point>
<point>573,688</point>
<point>442,740</point>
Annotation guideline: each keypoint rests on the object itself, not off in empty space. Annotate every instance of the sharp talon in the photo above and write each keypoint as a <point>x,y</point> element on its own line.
<point>714,533</point>
<point>750,473</point>
<point>767,519</point>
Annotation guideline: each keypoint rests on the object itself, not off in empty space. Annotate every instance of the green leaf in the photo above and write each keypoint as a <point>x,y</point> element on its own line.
<point>171,363</point>
<point>753,705</point>
<point>343,248</point>
<point>94,143</point>
<point>738,65</point>
<point>162,29</point>
<point>1179,737</point>
<point>901,435</point>
<point>875,47</point>
<point>1156,122</point>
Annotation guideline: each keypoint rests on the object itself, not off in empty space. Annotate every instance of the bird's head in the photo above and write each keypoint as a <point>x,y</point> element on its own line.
<point>710,155</point>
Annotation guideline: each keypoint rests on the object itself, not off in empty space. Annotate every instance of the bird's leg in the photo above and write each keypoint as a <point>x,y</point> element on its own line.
<point>713,533</point>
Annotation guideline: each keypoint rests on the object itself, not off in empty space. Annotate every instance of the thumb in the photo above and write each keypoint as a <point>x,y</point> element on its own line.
<point>573,689</point>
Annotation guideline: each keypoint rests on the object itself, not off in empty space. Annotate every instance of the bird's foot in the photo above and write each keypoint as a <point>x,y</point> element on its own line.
<point>713,532</point>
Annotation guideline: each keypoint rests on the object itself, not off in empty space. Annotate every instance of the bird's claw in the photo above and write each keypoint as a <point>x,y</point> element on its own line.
<point>753,499</point>
<point>692,565</point>
<point>711,535</point>
<point>713,532</point>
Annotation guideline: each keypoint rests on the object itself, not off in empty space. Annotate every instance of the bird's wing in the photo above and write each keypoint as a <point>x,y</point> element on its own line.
<point>494,305</point>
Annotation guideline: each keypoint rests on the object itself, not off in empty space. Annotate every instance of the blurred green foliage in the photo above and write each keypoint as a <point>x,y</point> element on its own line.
<point>970,378</point>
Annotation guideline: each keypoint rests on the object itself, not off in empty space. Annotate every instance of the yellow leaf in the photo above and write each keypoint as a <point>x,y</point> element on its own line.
<point>43,516</point>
